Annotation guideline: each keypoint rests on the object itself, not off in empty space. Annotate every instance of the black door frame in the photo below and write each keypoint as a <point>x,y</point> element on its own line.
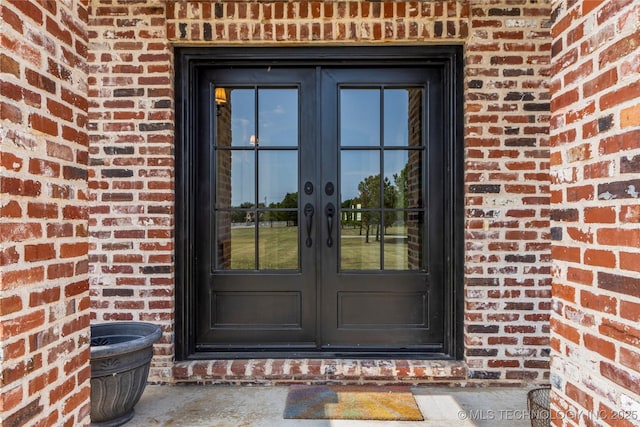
<point>189,60</point>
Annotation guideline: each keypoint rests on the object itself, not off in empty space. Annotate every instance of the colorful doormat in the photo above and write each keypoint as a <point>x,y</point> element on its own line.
<point>351,403</point>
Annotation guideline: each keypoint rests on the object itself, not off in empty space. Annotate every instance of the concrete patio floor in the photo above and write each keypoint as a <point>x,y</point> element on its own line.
<point>253,406</point>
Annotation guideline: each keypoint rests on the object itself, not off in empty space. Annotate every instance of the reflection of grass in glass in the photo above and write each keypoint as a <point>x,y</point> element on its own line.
<point>279,249</point>
<point>356,254</point>
<point>243,252</point>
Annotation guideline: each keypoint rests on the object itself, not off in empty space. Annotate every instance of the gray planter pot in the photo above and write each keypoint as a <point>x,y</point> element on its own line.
<point>121,354</point>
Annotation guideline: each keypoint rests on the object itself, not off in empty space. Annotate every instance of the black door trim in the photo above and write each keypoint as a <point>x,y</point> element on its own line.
<point>190,60</point>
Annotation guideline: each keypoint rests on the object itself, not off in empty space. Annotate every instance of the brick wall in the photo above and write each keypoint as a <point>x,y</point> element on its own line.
<point>595,161</point>
<point>44,292</point>
<point>506,116</point>
<point>47,228</point>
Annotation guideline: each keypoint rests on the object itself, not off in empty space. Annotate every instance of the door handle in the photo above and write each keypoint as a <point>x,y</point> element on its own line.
<point>329,211</point>
<point>308,214</point>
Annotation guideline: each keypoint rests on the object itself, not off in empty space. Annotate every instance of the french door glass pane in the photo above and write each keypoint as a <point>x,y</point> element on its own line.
<point>396,113</point>
<point>278,117</point>
<point>403,117</point>
<point>235,179</point>
<point>415,244</point>
<point>396,241</point>
<point>395,174</point>
<point>278,241</point>
<point>278,178</point>
<point>241,106</point>
<point>360,242</point>
<point>360,117</point>
<point>413,180</point>
<point>360,178</point>
<point>235,242</point>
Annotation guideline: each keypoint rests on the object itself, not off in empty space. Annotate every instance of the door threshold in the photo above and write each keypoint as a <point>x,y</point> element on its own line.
<point>341,371</point>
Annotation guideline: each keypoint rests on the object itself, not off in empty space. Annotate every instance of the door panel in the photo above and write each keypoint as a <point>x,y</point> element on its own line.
<point>379,287</point>
<point>257,278</point>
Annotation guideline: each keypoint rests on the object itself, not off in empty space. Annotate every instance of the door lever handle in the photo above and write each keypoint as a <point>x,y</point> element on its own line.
<point>308,214</point>
<point>329,211</point>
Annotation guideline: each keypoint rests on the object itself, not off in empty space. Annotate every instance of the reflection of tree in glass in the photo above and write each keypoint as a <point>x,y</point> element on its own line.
<point>395,197</point>
<point>241,216</point>
<point>402,183</point>
<point>369,197</point>
<point>247,214</point>
<point>289,201</point>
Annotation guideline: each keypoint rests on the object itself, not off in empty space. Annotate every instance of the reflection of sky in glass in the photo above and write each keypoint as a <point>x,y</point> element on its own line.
<point>242,177</point>
<point>355,166</point>
<point>278,175</point>
<point>243,125</point>
<point>396,117</point>
<point>394,162</point>
<point>360,117</point>
<point>278,117</point>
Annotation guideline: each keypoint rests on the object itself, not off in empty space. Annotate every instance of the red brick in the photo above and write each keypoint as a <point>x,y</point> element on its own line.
<point>602,82</point>
<point>40,252</point>
<point>565,292</point>
<point>60,110</point>
<point>43,124</point>
<point>618,96</point>
<point>619,237</point>
<point>10,112</point>
<point>603,303</point>
<point>603,215</point>
<point>630,261</point>
<point>578,275</point>
<point>602,258</point>
<point>10,304</point>
<point>630,358</point>
<point>42,210</point>
<point>9,256</point>
<point>73,250</point>
<point>565,253</point>
<point>46,296</point>
<point>30,10</point>
<point>565,331</point>
<point>22,324</point>
<point>630,381</point>
<point>619,331</point>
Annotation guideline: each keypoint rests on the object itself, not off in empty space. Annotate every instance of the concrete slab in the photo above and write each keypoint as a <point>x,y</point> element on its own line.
<point>262,406</point>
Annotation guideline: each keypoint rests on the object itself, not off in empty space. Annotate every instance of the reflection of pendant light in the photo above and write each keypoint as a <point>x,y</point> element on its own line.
<point>253,140</point>
<point>221,96</point>
<point>221,99</point>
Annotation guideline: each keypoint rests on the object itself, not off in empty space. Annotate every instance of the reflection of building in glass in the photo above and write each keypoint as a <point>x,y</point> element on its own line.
<point>353,215</point>
<point>223,184</point>
<point>414,181</point>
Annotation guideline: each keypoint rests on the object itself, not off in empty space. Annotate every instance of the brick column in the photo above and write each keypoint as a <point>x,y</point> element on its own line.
<point>595,162</point>
<point>507,269</point>
<point>44,297</point>
<point>132,166</point>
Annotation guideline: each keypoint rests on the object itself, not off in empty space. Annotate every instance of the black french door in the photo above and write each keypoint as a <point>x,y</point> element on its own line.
<point>320,207</point>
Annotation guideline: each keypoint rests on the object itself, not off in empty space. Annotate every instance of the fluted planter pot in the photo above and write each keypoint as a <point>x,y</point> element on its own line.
<point>121,355</point>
